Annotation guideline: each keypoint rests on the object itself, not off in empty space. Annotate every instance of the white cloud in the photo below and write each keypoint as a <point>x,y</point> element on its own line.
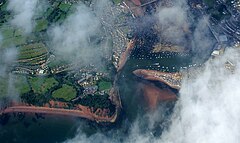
<point>203,41</point>
<point>1,38</point>
<point>172,21</point>
<point>23,12</point>
<point>176,26</point>
<point>7,58</point>
<point>208,109</point>
<point>71,40</point>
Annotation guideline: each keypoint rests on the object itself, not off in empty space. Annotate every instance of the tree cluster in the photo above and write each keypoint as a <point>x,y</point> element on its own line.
<point>34,98</point>
<point>97,101</point>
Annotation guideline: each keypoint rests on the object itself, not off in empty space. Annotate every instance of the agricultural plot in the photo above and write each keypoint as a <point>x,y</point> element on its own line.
<point>11,42</point>
<point>42,24</point>
<point>34,54</point>
<point>12,36</point>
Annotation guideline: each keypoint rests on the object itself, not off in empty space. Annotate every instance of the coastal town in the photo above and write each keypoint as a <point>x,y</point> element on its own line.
<point>119,71</point>
<point>45,77</point>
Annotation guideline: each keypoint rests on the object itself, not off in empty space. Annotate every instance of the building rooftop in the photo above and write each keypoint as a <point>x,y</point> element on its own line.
<point>215,53</point>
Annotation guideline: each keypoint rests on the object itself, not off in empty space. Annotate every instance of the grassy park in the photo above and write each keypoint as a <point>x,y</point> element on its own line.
<point>104,85</point>
<point>66,92</point>
<point>42,85</point>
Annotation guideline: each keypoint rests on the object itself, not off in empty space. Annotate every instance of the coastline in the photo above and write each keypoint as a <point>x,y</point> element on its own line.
<point>61,108</point>
<point>83,112</point>
<point>124,56</point>
<point>171,79</point>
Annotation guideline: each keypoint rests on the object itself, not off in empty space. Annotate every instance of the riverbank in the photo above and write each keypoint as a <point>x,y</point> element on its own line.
<point>124,56</point>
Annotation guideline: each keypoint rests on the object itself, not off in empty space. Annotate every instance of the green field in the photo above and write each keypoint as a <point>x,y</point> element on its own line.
<point>18,32</point>
<point>66,92</point>
<point>21,84</point>
<point>20,40</point>
<point>64,7</point>
<point>42,85</point>
<point>7,32</point>
<point>42,24</point>
<point>104,85</point>
<point>61,18</point>
<point>16,83</point>
<point>12,36</point>
<point>57,62</point>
